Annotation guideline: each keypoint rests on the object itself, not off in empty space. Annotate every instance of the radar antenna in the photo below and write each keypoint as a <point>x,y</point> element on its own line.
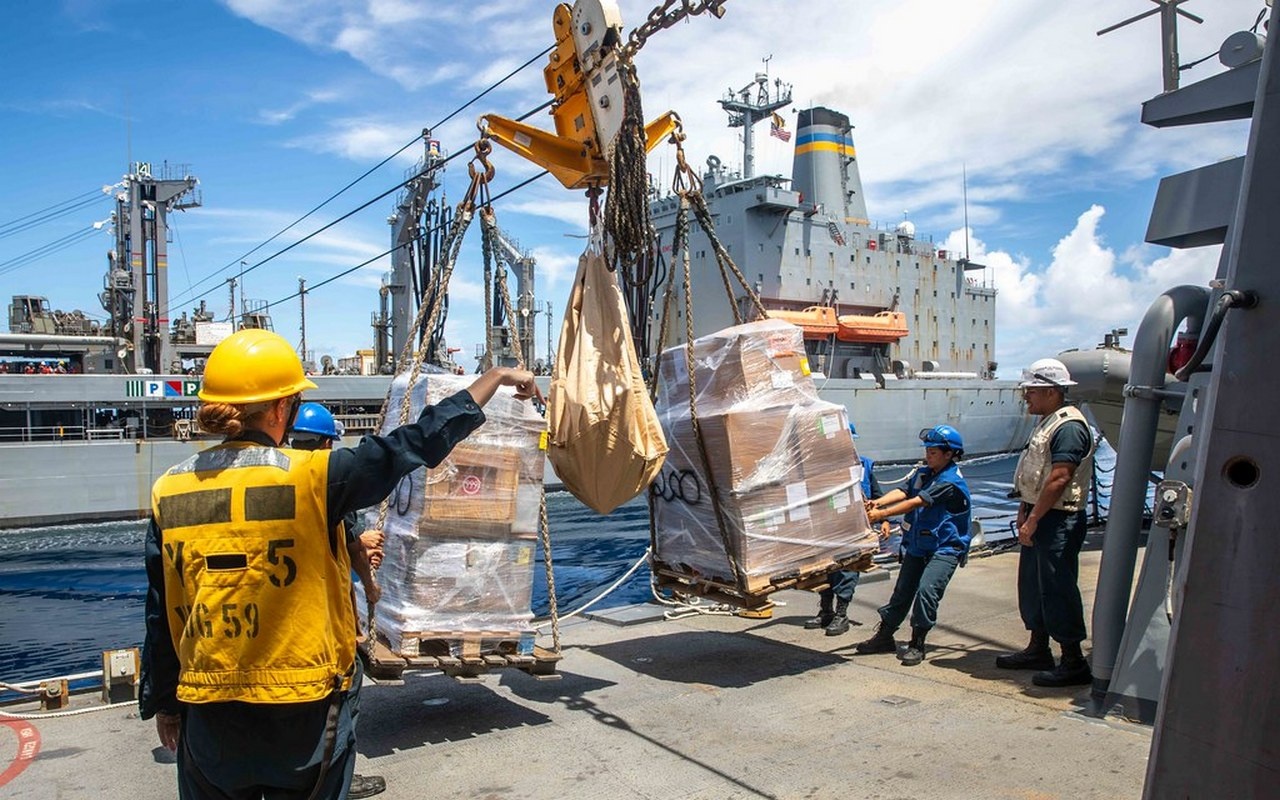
<point>1168,11</point>
<point>745,110</point>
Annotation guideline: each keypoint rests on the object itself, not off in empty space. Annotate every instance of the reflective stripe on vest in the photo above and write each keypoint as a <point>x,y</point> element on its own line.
<point>1035,464</point>
<point>259,604</point>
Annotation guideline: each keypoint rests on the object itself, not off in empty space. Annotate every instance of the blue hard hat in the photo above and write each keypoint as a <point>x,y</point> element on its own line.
<point>942,436</point>
<point>853,431</point>
<point>315,418</point>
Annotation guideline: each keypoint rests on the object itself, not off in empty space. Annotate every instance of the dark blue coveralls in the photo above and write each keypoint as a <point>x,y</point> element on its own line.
<point>934,539</point>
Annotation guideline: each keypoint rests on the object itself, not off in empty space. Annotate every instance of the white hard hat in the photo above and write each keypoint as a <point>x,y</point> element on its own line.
<point>1048,372</point>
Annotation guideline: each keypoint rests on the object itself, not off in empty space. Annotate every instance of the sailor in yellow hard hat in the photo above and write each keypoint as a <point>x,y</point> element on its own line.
<point>250,633</point>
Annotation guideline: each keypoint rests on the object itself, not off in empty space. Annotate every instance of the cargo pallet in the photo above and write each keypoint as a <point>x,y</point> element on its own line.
<point>435,652</point>
<point>756,596</point>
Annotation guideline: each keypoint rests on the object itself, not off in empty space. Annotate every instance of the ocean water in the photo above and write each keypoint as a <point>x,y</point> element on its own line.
<point>68,593</point>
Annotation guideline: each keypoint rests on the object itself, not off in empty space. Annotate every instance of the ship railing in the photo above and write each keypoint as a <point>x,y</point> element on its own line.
<point>358,423</point>
<point>42,433</point>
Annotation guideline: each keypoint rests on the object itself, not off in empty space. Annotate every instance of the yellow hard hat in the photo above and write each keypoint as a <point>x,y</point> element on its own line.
<point>252,366</point>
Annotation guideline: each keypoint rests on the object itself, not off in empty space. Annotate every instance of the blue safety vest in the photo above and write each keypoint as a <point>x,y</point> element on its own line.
<point>935,528</point>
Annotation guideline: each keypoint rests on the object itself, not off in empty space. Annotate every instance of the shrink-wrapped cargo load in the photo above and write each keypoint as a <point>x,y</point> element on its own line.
<point>782,463</point>
<point>460,540</point>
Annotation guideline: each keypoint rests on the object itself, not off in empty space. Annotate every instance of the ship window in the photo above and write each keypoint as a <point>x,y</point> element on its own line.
<point>898,262</point>
<point>760,247</point>
<point>852,258</point>
<point>984,323</point>
<point>851,286</point>
<point>935,292</point>
<point>797,251</point>
<point>808,281</point>
<point>728,220</point>
<point>953,295</point>
<point>935,266</point>
<point>808,252</point>
<point>760,277</point>
<point>868,259</point>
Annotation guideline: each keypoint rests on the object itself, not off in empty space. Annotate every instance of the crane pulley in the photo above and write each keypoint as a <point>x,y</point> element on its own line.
<point>582,74</point>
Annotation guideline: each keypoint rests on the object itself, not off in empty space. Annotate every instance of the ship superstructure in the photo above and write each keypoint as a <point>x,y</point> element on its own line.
<point>873,301</point>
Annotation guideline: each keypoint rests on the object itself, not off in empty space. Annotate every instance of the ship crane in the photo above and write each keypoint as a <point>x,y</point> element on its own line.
<point>525,309</point>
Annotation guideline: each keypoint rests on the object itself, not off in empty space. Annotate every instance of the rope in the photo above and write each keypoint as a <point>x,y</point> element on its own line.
<point>490,233</point>
<point>73,713</point>
<point>627,222</point>
<point>450,247</point>
<point>739,575</point>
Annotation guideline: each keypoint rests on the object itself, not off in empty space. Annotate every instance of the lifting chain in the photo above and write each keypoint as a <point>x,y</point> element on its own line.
<point>481,173</point>
<point>661,17</point>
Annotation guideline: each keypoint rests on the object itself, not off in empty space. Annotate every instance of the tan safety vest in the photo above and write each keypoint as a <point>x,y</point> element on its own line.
<point>1034,465</point>
<point>259,601</point>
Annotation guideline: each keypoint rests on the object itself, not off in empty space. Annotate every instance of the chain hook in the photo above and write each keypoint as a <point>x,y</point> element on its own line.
<point>481,172</point>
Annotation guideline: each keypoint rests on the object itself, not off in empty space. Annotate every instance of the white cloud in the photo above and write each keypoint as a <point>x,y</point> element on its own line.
<point>1085,290</point>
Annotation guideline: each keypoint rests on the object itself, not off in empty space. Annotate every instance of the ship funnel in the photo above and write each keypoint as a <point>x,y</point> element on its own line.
<point>825,167</point>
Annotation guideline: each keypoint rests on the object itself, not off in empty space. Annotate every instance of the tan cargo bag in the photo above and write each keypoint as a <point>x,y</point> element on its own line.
<point>605,443</point>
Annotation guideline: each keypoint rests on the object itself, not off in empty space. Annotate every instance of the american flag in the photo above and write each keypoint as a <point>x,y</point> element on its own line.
<point>778,129</point>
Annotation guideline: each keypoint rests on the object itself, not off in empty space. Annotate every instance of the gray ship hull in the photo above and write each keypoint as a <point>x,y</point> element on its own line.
<point>57,482</point>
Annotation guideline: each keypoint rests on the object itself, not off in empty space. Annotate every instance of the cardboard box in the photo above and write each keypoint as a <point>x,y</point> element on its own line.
<point>474,484</point>
<point>744,448</point>
<point>822,440</point>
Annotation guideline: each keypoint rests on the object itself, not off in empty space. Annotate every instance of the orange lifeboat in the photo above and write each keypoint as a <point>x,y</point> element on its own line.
<point>817,322</point>
<point>884,326</point>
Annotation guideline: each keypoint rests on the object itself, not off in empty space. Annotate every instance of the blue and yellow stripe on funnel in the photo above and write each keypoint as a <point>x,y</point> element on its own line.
<point>812,141</point>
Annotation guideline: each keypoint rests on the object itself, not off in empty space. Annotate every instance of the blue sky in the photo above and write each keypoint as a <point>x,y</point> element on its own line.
<point>276,104</point>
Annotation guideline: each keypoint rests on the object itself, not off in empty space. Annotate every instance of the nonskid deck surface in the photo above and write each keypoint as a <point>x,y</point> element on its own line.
<point>700,707</point>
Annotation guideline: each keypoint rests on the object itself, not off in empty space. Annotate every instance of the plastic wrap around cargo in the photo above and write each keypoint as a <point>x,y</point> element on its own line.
<point>460,539</point>
<point>762,361</point>
<point>783,462</point>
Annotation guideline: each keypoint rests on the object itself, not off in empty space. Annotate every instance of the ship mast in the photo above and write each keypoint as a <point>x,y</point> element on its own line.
<point>746,108</point>
<point>136,292</point>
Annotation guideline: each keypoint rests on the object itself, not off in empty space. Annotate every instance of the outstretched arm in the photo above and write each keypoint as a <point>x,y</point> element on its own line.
<point>486,385</point>
<point>880,510</point>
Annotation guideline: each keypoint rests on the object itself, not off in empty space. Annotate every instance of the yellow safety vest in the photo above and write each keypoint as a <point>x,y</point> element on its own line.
<point>1034,465</point>
<point>259,602</point>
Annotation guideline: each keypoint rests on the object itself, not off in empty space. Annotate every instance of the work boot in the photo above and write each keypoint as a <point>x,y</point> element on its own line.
<point>825,614</point>
<point>840,621</point>
<point>1035,655</point>
<point>366,786</point>
<point>1072,670</point>
<point>881,642</point>
<point>914,653</point>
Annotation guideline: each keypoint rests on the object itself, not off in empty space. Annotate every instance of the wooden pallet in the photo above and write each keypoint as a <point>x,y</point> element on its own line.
<point>756,595</point>
<point>436,648</point>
